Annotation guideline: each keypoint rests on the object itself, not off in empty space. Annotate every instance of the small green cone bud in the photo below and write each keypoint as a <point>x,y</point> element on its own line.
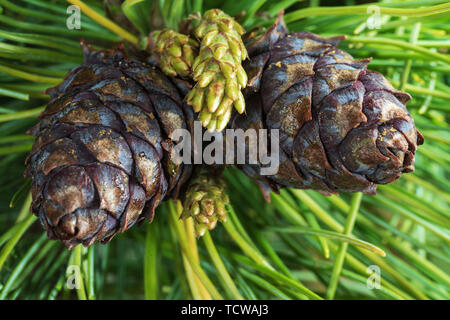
<point>232,89</point>
<point>207,207</point>
<point>199,32</point>
<point>225,25</point>
<point>223,120</point>
<point>205,201</point>
<point>239,104</point>
<point>198,195</point>
<point>197,100</point>
<point>220,51</point>
<point>209,37</point>
<point>205,118</point>
<point>227,69</point>
<point>198,70</point>
<point>241,76</point>
<point>209,28</point>
<point>215,94</point>
<point>174,51</point>
<point>212,224</point>
<point>235,49</point>
<point>224,106</point>
<point>195,209</point>
<point>180,67</point>
<point>221,212</point>
<point>202,219</point>
<point>190,96</point>
<point>213,67</point>
<point>189,54</point>
<point>168,70</point>
<point>220,57</point>
<point>206,78</point>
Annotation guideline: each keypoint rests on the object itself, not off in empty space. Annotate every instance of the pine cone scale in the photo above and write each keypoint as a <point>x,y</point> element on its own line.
<point>147,164</point>
<point>280,76</point>
<point>139,123</point>
<point>62,188</point>
<point>291,111</point>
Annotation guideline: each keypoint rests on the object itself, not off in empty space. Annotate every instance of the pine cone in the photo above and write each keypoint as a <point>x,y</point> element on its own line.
<point>217,69</point>
<point>101,154</point>
<point>342,127</point>
<point>205,200</point>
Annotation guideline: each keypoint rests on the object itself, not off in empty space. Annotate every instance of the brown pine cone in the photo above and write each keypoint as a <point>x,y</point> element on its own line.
<point>342,127</point>
<point>101,154</point>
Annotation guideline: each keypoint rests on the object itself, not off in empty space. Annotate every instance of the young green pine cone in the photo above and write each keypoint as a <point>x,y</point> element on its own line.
<point>205,201</point>
<point>217,69</point>
<point>174,51</point>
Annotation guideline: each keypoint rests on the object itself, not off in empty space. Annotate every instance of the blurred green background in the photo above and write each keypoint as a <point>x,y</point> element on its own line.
<point>315,251</point>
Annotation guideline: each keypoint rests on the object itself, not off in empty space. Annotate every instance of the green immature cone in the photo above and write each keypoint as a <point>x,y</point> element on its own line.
<point>205,201</point>
<point>217,69</point>
<point>175,52</point>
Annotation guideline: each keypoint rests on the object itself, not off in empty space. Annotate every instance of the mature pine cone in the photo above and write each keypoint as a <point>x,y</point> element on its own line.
<point>342,127</point>
<point>101,154</point>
